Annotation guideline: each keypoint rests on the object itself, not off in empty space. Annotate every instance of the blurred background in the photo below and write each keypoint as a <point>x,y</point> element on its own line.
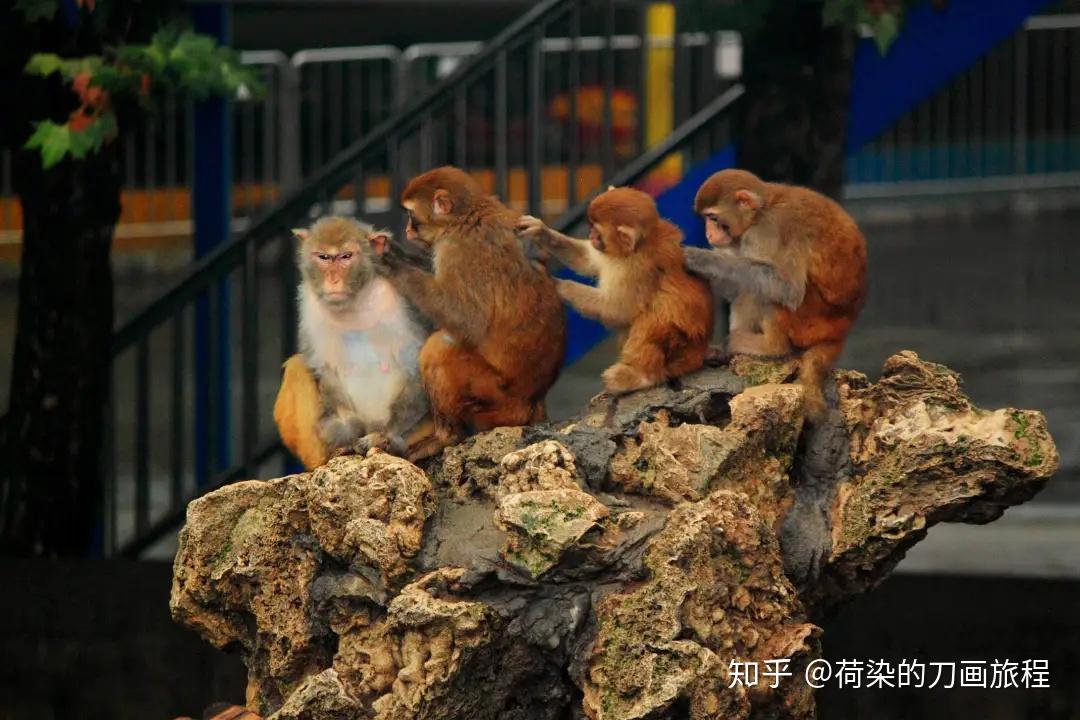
<point>954,139</point>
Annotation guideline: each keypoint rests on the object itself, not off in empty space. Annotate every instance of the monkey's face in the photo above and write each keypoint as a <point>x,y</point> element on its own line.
<point>338,271</point>
<point>424,219</point>
<point>723,225</point>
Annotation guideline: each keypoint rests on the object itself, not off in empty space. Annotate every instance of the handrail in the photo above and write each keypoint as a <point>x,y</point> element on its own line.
<point>205,271</point>
<point>650,159</point>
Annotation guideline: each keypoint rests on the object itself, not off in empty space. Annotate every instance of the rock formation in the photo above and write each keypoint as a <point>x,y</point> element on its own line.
<point>612,567</point>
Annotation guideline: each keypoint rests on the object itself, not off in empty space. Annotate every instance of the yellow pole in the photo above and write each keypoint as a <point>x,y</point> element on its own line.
<point>659,87</point>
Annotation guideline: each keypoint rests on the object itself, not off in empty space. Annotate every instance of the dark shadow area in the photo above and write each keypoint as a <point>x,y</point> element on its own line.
<point>951,619</point>
<point>94,640</point>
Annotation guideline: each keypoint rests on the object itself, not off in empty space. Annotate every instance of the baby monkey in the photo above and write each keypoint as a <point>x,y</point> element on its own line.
<point>358,372</point>
<point>664,314</point>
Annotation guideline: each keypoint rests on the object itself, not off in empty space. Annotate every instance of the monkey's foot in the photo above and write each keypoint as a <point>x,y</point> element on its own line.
<point>380,441</point>
<point>432,445</point>
<point>717,356</point>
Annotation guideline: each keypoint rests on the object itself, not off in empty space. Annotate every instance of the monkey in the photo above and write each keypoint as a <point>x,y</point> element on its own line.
<point>357,375</point>
<point>793,264</point>
<point>664,314</point>
<point>501,332</point>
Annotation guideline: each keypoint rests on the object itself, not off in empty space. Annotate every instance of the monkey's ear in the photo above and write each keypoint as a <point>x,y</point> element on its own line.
<point>380,241</point>
<point>629,237</point>
<point>442,203</point>
<point>301,234</point>
<point>747,200</point>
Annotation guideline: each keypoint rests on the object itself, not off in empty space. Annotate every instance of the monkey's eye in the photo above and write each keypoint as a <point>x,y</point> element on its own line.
<point>345,256</point>
<point>323,257</point>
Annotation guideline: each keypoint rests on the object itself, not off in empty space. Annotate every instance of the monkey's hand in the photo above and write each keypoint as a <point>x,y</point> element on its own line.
<point>536,231</point>
<point>391,260</point>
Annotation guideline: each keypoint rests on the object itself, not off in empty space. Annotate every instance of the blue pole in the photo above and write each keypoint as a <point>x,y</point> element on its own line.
<point>212,213</point>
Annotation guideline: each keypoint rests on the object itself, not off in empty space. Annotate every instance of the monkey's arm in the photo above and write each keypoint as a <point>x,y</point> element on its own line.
<point>457,313</point>
<point>588,301</point>
<point>573,253</point>
<point>732,275</point>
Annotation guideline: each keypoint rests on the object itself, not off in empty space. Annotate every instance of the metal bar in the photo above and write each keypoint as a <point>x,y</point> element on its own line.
<point>1053,22</point>
<point>647,161</point>
<point>641,81</point>
<point>536,118</point>
<point>573,90</point>
<point>606,140</point>
<point>271,170</point>
<point>289,128</point>
<point>336,107</point>
<point>176,436</point>
<point>501,101</point>
<point>142,436</point>
<point>315,119</point>
<point>961,186</point>
<point>461,130</point>
<point>249,338</point>
<point>347,54</point>
<point>1020,130</point>
<point>426,150</point>
<point>393,159</point>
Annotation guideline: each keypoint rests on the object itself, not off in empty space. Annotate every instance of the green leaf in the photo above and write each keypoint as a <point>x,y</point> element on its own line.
<point>34,10</point>
<point>886,27</point>
<point>53,140</point>
<point>43,64</point>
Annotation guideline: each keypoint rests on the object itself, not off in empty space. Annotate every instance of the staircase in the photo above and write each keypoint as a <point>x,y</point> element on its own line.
<point>239,301</point>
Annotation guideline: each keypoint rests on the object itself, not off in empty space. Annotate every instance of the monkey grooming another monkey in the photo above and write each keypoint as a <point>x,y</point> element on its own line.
<point>358,372</point>
<point>501,336</point>
<point>793,264</point>
<point>666,314</point>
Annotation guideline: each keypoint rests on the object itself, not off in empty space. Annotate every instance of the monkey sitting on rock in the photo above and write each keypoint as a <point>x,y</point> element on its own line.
<point>357,377</point>
<point>664,314</point>
<point>793,264</point>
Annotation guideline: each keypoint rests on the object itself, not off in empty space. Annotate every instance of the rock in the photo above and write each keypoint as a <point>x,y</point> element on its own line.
<point>612,567</point>
<point>543,524</point>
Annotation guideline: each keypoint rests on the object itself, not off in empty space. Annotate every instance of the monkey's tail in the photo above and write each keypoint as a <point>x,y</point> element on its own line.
<point>817,361</point>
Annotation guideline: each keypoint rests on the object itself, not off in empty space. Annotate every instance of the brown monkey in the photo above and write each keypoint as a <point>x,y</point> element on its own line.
<point>792,262</point>
<point>358,372</point>
<point>501,336</point>
<point>642,288</point>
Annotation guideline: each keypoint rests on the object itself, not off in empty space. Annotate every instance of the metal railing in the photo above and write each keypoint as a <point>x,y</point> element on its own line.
<point>319,100</point>
<point>1010,122</point>
<point>240,287</point>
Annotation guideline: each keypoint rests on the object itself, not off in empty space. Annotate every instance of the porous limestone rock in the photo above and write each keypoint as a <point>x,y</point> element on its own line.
<point>613,567</point>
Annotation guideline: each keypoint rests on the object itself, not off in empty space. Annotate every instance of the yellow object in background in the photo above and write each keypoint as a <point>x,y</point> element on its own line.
<point>660,91</point>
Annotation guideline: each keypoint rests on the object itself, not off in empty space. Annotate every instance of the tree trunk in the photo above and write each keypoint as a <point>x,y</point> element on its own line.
<point>51,437</point>
<point>798,88</point>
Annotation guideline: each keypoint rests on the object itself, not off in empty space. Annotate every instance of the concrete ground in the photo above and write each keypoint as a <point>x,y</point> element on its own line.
<point>991,296</point>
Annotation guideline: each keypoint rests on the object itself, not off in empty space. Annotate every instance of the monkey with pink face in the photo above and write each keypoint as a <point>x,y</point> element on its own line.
<point>356,382</point>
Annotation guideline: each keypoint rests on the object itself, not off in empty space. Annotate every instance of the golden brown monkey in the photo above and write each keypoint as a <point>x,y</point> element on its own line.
<point>665,313</point>
<point>358,372</point>
<point>792,262</point>
<point>501,336</point>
